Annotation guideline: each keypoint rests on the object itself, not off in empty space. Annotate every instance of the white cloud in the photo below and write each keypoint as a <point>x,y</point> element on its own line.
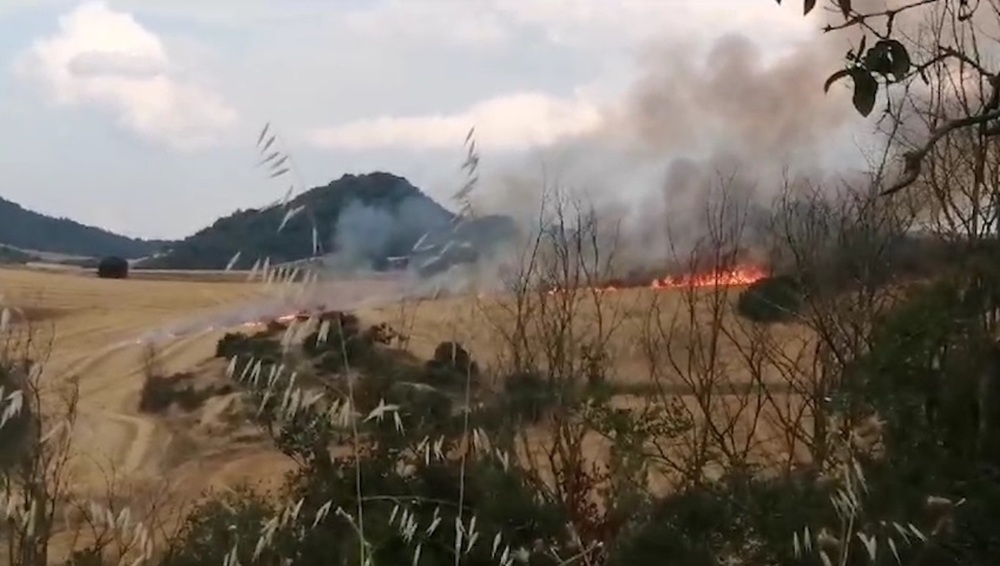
<point>591,37</point>
<point>107,59</point>
<point>460,24</point>
<point>106,63</point>
<point>512,121</point>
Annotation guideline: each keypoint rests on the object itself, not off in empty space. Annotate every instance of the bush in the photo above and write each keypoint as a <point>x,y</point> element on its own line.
<point>238,344</point>
<point>772,299</point>
<point>737,517</point>
<point>112,267</point>
<point>528,395</point>
<point>156,394</point>
<point>231,344</point>
<point>345,344</point>
<point>217,525</point>
<point>450,367</point>
<point>159,392</point>
<point>275,327</point>
<point>343,332</point>
<point>427,408</point>
<point>14,433</point>
<point>426,495</point>
<point>452,355</point>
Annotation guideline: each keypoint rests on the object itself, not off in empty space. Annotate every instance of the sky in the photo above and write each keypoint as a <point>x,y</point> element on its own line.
<point>140,116</point>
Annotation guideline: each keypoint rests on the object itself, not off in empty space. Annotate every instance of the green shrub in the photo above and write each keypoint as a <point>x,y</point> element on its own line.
<point>231,344</point>
<point>735,520</point>
<point>14,433</point>
<point>528,395</point>
<point>426,408</point>
<point>259,347</point>
<point>157,394</point>
<point>772,299</point>
<point>451,367</point>
<point>89,556</point>
<point>346,345</point>
<point>213,528</point>
<point>160,392</point>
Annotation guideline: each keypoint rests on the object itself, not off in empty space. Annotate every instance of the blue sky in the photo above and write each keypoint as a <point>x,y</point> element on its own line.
<point>140,115</point>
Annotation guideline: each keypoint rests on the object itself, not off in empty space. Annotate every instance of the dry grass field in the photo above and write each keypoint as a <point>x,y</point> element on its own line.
<point>93,324</point>
<point>96,322</point>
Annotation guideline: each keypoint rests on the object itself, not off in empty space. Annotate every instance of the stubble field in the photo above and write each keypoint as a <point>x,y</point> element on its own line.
<point>95,324</point>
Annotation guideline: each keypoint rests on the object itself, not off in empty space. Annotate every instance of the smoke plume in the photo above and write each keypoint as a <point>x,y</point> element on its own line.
<point>364,235</point>
<point>736,122</point>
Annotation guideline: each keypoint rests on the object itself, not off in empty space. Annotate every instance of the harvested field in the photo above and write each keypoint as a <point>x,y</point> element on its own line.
<point>89,320</point>
<point>90,317</point>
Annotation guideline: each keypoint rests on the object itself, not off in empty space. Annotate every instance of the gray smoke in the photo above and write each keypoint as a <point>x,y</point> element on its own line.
<point>366,234</point>
<point>690,131</point>
<point>332,294</point>
<point>362,233</point>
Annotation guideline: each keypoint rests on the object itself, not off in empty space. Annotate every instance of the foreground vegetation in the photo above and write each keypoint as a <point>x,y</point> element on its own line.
<point>849,417</point>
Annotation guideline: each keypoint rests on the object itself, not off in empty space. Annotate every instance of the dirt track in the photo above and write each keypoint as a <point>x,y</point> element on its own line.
<point>95,324</point>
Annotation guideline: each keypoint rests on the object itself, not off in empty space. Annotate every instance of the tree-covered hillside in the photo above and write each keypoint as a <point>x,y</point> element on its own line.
<point>364,218</point>
<point>29,230</point>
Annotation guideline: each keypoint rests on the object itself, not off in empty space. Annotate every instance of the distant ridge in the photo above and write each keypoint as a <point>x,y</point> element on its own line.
<point>368,221</point>
<point>361,219</point>
<point>30,230</point>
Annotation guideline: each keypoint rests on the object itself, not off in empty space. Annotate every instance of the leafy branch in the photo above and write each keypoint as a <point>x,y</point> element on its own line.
<point>889,61</point>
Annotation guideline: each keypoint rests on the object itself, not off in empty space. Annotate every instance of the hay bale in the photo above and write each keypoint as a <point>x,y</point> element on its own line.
<point>112,267</point>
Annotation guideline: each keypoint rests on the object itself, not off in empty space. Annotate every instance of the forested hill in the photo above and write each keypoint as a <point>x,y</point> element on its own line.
<point>30,230</point>
<point>363,218</point>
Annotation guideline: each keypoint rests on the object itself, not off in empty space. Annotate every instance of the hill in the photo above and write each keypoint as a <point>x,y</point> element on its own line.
<point>30,230</point>
<point>360,220</point>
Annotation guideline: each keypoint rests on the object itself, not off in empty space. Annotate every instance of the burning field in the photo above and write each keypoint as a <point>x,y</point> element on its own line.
<point>732,278</point>
<point>198,435</point>
<point>738,276</point>
<point>169,414</point>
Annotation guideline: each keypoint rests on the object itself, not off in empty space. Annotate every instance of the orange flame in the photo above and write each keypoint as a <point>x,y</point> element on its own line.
<point>735,277</point>
<point>283,319</point>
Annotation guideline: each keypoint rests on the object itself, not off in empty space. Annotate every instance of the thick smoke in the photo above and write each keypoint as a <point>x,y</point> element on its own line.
<point>364,235</point>
<point>690,130</point>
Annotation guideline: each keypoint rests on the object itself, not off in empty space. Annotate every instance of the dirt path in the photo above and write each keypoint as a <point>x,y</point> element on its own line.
<point>95,324</point>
